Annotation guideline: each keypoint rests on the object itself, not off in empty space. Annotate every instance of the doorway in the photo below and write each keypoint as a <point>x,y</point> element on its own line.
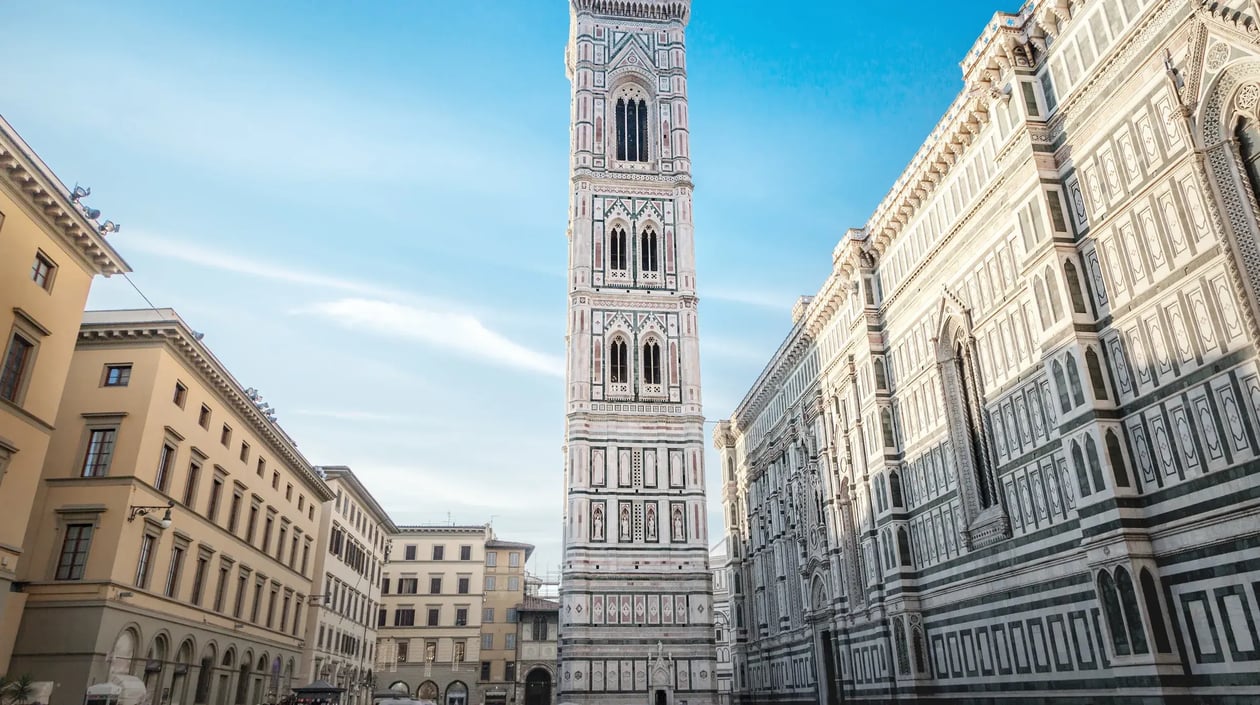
<point>830,686</point>
<point>661,698</point>
<point>538,687</point>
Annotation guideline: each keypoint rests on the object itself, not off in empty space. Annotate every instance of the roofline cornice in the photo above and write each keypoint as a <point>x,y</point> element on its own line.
<point>47,196</point>
<point>654,10</point>
<point>181,339</point>
<point>345,474</point>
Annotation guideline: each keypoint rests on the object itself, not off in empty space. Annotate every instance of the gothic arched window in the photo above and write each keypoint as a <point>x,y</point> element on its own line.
<point>1052,292</point>
<point>1116,457</point>
<point>1115,618</point>
<point>618,367</point>
<point>1095,374</point>
<point>632,139</point>
<point>1248,134</point>
<point>1151,597</point>
<point>618,250</point>
<point>649,251</point>
<point>1132,616</point>
<point>962,387</point>
<point>1074,288</point>
<point>651,363</point>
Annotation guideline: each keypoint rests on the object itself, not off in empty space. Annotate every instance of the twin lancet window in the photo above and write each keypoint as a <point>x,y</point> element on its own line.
<point>619,362</point>
<point>619,250</point>
<point>632,132</point>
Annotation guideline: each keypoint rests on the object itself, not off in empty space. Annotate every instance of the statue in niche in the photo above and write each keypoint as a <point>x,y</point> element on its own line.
<point>625,522</point>
<point>676,526</point>
<point>597,523</point>
<point>651,521</point>
<point>598,476</point>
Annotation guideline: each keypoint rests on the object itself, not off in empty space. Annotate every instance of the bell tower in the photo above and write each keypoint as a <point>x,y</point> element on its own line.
<point>636,620</point>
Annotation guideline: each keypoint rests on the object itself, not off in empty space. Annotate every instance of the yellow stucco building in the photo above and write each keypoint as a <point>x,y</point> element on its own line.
<point>50,250</point>
<point>174,534</point>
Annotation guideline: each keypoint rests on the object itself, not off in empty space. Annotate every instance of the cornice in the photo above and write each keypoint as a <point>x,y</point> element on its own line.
<point>655,10</point>
<point>39,189</point>
<point>173,333</point>
<point>1010,41</point>
<point>341,473</point>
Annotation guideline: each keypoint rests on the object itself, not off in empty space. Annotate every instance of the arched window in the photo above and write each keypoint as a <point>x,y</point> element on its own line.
<point>1052,292</point>
<point>1078,462</point>
<point>1132,615</point>
<point>1111,609</point>
<point>903,545</point>
<point>1094,367</point>
<point>1043,308</point>
<point>651,363</point>
<point>1074,377</point>
<point>1095,465</point>
<point>618,367</point>
<point>1065,401</point>
<point>1074,288</point>
<point>649,251</point>
<point>632,141</point>
<point>1248,134</point>
<point>618,251</point>
<point>962,386</point>
<point>1116,457</point>
<point>1150,595</point>
<point>894,489</point>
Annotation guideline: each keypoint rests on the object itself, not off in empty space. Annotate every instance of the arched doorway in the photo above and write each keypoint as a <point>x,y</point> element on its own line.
<point>427,693</point>
<point>457,694</point>
<point>538,687</point>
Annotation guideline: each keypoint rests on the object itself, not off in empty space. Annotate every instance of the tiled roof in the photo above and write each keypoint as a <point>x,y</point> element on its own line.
<point>537,604</point>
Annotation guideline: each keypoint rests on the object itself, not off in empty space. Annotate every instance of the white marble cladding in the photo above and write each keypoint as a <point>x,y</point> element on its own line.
<point>1013,442</point>
<point>636,618</point>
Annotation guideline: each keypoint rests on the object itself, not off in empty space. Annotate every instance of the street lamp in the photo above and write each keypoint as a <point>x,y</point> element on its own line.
<point>138,510</point>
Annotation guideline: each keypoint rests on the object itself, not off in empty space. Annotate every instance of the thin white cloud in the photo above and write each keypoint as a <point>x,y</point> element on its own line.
<point>423,489</point>
<point>201,256</point>
<point>770,300</point>
<point>450,330</point>
<point>363,416</point>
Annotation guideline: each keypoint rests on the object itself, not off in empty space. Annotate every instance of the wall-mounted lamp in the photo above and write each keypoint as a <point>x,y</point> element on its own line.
<point>139,511</point>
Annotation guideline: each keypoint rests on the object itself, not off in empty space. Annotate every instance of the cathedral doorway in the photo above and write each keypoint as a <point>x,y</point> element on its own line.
<point>830,684</point>
<point>538,687</point>
<point>660,698</point>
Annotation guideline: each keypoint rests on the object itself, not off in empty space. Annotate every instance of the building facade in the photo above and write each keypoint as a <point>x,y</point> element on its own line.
<point>50,250</point>
<point>429,622</point>
<point>537,633</point>
<point>340,635</point>
<point>1009,449</point>
<point>175,526</point>
<point>504,588</point>
<point>720,566</point>
<point>636,584</point>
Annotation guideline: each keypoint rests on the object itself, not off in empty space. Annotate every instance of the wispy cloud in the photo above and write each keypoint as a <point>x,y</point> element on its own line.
<point>771,300</point>
<point>202,256</point>
<point>450,330</point>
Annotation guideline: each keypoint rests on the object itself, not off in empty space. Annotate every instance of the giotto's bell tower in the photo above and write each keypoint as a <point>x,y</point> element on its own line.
<point>636,621</point>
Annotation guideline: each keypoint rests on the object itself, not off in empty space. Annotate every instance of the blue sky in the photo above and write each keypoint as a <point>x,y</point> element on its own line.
<point>362,205</point>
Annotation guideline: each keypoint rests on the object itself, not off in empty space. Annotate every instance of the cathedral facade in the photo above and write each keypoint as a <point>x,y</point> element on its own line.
<point>1011,448</point>
<point>636,617</point>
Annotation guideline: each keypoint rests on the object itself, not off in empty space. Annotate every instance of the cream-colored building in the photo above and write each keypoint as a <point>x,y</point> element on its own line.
<point>429,623</point>
<point>175,527</point>
<point>341,633</point>
<point>538,627</point>
<point>1010,450</point>
<point>50,250</point>
<point>504,589</point>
